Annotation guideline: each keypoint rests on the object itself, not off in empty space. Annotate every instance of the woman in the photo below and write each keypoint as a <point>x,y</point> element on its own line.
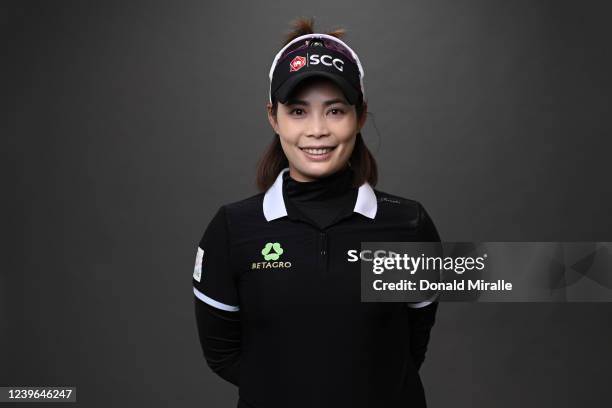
<point>277,301</point>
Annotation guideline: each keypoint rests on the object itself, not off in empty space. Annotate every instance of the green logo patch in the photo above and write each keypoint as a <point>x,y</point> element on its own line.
<point>272,251</point>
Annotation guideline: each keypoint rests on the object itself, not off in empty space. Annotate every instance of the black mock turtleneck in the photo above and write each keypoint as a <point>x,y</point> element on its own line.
<point>322,200</point>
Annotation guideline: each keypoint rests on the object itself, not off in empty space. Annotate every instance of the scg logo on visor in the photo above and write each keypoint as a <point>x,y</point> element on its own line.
<point>314,59</point>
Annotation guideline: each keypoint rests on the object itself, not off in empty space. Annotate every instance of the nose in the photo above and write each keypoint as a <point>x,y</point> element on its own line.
<point>317,126</point>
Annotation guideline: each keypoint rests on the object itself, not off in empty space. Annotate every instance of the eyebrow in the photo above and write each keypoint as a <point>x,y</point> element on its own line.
<point>326,103</point>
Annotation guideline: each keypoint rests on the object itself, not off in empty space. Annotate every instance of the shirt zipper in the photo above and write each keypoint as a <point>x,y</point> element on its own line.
<point>323,251</point>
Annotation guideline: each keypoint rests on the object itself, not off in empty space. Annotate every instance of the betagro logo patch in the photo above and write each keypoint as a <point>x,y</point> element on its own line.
<point>271,253</point>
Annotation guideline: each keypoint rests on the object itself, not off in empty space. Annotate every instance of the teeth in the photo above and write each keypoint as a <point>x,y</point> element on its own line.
<point>318,151</point>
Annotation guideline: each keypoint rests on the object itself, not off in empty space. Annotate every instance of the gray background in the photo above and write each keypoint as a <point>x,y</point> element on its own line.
<point>126,124</point>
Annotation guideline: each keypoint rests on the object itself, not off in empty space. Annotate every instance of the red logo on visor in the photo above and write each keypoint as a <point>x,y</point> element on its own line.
<point>297,63</point>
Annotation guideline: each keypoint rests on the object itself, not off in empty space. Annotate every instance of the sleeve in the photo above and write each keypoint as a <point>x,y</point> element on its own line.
<point>421,320</point>
<point>214,279</point>
<point>427,232</point>
<point>427,229</point>
<point>219,333</point>
<point>422,315</point>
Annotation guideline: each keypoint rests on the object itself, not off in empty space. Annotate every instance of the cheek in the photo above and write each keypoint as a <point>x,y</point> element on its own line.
<point>345,128</point>
<point>348,146</point>
<point>288,131</point>
<point>346,134</point>
<point>287,134</point>
<point>345,147</point>
<point>289,147</point>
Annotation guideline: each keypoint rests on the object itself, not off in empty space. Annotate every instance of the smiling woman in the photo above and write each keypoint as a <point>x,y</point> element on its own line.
<point>317,109</point>
<point>317,129</point>
<point>277,303</point>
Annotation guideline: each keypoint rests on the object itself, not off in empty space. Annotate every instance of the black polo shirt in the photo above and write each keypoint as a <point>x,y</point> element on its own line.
<point>307,339</point>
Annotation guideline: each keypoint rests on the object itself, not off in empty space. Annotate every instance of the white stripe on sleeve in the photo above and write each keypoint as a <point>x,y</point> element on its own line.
<point>214,303</point>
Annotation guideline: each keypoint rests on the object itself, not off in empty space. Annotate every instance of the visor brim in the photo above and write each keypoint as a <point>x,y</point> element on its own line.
<point>283,93</point>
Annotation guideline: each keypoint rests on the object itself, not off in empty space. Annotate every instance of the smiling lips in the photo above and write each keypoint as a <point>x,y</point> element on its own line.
<point>319,153</point>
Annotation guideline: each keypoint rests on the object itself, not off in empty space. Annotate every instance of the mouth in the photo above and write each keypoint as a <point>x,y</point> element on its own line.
<point>317,150</point>
<point>318,153</point>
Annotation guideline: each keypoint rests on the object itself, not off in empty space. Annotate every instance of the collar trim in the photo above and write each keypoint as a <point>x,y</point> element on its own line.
<point>274,203</point>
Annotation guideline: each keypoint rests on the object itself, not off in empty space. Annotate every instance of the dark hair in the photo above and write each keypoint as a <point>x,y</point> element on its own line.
<point>274,160</point>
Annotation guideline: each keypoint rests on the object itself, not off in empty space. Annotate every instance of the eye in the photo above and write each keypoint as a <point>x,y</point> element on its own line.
<point>336,111</point>
<point>297,111</point>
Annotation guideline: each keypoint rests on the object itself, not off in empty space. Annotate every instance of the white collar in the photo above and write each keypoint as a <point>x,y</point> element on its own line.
<point>274,204</point>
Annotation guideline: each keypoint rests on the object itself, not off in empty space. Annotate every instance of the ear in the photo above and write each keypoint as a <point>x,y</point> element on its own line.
<point>271,118</point>
<point>364,116</point>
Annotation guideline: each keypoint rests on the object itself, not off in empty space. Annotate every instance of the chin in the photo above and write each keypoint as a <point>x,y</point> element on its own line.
<point>317,170</point>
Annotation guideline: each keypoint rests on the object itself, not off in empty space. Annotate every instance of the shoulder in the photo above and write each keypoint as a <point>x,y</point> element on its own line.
<point>395,206</point>
<point>233,217</point>
<point>406,211</point>
<point>247,211</point>
<point>245,206</point>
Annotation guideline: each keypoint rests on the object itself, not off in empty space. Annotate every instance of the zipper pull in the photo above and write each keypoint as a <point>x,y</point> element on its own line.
<point>323,244</point>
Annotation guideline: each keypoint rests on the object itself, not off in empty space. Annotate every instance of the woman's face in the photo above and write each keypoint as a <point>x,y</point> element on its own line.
<point>317,129</point>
